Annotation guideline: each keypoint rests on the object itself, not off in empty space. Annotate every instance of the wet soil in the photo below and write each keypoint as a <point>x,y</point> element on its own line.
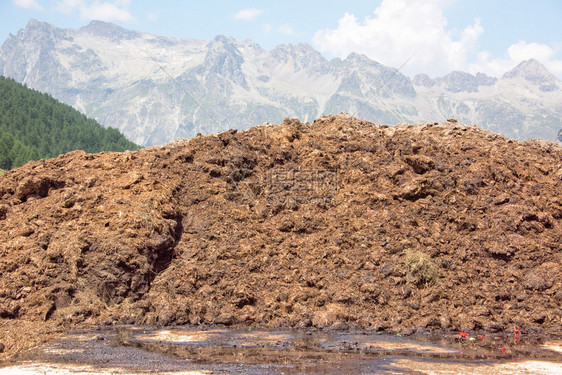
<point>336,224</point>
<point>217,350</point>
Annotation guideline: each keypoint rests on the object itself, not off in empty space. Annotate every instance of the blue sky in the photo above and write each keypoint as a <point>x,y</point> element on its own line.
<point>491,36</point>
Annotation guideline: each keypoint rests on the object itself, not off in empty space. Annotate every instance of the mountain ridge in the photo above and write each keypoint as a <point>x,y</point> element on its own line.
<point>122,79</point>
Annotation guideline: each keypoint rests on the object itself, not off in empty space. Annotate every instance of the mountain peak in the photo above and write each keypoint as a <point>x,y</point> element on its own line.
<point>109,30</point>
<point>424,80</point>
<point>223,39</point>
<point>223,45</point>
<point>35,27</point>
<point>535,72</point>
<point>301,51</point>
<point>35,23</point>
<point>358,57</point>
<point>224,58</point>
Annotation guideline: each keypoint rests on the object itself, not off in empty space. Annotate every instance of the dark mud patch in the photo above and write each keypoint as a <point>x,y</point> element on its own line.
<point>217,350</point>
<point>252,344</point>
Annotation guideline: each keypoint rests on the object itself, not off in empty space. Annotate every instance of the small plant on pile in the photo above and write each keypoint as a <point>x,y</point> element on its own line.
<point>146,214</point>
<point>421,268</point>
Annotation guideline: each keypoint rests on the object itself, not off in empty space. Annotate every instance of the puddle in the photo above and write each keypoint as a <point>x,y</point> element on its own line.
<point>142,350</point>
<point>296,340</point>
<point>557,347</point>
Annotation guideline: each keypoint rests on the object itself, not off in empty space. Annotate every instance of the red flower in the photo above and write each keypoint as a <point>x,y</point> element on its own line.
<point>464,334</point>
<point>515,332</point>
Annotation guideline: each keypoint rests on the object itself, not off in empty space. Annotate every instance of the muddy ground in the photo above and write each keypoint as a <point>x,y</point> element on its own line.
<point>217,350</point>
<point>339,224</point>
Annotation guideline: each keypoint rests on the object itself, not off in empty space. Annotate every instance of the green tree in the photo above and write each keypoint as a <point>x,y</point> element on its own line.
<point>34,125</point>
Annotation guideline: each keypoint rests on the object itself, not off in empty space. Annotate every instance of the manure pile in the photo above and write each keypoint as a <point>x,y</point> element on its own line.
<point>340,224</point>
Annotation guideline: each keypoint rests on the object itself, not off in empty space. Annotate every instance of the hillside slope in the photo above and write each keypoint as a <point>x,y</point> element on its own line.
<point>35,126</point>
<point>338,223</point>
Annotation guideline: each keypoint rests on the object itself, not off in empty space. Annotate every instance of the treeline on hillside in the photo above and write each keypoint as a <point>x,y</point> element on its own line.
<point>35,126</point>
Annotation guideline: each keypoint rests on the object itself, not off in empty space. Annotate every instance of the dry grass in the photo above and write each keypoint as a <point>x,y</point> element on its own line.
<point>421,268</point>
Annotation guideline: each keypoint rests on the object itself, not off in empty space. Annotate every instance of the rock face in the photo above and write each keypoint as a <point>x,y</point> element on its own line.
<point>534,72</point>
<point>144,85</point>
<point>337,223</point>
<point>456,81</point>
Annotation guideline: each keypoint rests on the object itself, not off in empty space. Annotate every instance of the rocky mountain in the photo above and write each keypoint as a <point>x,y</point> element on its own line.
<point>155,89</point>
<point>525,102</point>
<point>456,81</point>
<point>535,73</point>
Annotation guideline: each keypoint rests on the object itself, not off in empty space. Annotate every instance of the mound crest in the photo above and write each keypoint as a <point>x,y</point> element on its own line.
<point>340,223</point>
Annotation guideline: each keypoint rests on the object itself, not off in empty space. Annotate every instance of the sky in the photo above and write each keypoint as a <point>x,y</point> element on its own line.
<point>420,36</point>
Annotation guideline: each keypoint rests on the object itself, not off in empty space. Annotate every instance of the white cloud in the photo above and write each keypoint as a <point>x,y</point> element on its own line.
<point>28,4</point>
<point>116,10</point>
<point>267,28</point>
<point>153,16</point>
<point>106,11</point>
<point>286,30</point>
<point>247,14</point>
<point>523,51</point>
<point>400,29</point>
